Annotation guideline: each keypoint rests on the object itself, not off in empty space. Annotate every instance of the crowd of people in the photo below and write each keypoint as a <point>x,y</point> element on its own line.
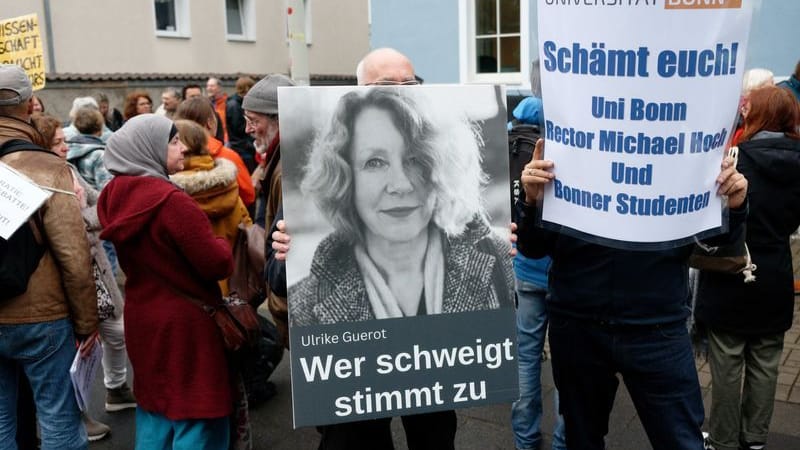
<point>154,201</point>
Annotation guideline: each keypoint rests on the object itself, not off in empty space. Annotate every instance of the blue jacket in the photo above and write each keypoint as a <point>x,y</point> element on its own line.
<point>86,153</point>
<point>530,111</point>
<point>793,84</point>
<point>619,287</point>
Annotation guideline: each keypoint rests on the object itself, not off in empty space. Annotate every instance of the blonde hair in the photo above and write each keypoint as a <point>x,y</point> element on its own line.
<point>446,148</point>
<point>193,136</point>
<point>756,78</point>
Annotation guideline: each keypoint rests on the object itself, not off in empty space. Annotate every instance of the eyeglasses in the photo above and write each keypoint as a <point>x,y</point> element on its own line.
<point>253,121</point>
<point>394,83</point>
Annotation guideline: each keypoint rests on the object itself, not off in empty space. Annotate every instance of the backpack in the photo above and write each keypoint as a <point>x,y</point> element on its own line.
<point>21,252</point>
<point>522,139</point>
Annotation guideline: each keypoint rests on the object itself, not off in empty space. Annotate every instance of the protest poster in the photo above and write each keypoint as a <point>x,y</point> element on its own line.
<point>82,373</point>
<point>640,102</point>
<point>21,44</point>
<point>400,287</point>
<point>19,199</point>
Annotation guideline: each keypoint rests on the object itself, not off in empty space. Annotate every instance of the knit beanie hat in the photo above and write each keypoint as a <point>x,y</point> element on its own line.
<point>263,96</point>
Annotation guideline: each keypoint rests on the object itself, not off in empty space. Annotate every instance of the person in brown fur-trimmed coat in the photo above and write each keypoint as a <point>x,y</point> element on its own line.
<point>212,183</point>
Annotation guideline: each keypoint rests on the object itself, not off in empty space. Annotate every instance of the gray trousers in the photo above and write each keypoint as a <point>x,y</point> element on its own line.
<point>741,410</point>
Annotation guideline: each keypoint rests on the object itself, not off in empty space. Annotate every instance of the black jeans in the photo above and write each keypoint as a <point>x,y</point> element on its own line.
<point>429,431</point>
<point>656,364</point>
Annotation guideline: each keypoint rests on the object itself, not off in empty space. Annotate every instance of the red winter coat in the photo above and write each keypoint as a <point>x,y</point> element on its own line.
<point>166,247</point>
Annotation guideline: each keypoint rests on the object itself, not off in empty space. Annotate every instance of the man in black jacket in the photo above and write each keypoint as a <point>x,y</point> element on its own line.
<point>386,67</point>
<point>238,139</point>
<point>616,311</point>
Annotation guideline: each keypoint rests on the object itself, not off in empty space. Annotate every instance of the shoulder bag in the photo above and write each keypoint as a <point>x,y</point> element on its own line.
<point>248,264</point>
<point>236,319</point>
<point>729,258</point>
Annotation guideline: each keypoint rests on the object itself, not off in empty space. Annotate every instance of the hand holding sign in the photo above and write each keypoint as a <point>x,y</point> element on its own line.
<point>280,241</point>
<point>732,183</point>
<point>536,174</point>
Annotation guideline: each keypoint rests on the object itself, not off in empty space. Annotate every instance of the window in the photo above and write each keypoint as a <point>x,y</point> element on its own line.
<point>238,20</point>
<point>494,41</point>
<point>172,18</point>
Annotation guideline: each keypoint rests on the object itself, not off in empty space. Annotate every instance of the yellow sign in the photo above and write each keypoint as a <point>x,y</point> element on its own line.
<point>21,44</point>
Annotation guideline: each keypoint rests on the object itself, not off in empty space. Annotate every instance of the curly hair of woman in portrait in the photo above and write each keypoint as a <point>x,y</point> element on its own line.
<point>402,187</point>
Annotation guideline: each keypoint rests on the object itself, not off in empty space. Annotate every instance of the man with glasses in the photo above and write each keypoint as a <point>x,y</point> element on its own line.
<point>260,106</point>
<point>261,123</point>
<point>381,67</point>
<point>385,67</point>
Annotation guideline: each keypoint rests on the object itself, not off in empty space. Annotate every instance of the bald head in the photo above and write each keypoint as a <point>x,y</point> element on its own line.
<point>384,64</point>
<point>213,87</point>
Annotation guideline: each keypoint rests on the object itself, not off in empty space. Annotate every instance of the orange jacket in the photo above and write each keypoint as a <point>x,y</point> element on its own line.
<point>246,190</point>
<point>219,106</point>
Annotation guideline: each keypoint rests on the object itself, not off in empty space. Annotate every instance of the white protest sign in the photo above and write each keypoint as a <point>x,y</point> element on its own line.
<point>19,198</point>
<point>639,101</point>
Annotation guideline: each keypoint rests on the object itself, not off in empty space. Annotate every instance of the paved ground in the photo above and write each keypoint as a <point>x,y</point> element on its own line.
<point>789,372</point>
<point>488,427</point>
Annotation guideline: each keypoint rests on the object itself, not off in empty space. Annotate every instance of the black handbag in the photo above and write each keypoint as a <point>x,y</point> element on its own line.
<point>729,258</point>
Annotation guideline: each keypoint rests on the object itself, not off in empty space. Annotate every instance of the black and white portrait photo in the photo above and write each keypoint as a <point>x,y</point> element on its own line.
<point>388,200</point>
<point>396,200</point>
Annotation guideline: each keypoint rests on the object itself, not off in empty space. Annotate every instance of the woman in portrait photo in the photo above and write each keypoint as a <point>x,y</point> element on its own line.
<point>402,188</point>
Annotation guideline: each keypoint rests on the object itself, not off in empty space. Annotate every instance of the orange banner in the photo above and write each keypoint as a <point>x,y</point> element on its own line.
<point>702,4</point>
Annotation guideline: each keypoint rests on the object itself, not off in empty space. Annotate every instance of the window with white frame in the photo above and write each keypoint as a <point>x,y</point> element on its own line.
<point>238,20</point>
<point>172,18</point>
<point>494,41</point>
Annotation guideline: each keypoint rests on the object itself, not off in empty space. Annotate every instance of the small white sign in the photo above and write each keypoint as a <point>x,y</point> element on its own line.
<point>82,373</point>
<point>20,197</point>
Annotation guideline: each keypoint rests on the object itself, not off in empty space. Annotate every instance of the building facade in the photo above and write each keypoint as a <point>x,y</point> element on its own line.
<point>197,36</point>
<point>117,45</point>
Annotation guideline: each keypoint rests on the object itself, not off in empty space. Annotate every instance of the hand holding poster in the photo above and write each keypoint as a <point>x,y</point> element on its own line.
<point>638,116</point>
<point>399,278</point>
<point>19,198</point>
